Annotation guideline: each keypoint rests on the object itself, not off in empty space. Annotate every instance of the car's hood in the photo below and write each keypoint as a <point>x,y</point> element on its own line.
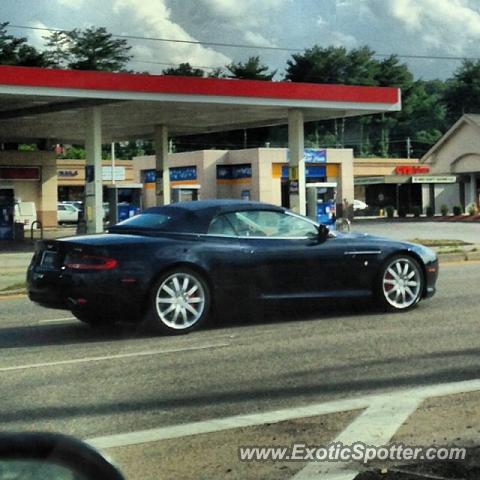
<point>365,239</point>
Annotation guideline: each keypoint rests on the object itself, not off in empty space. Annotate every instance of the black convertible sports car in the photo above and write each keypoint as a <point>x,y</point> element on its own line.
<point>170,265</point>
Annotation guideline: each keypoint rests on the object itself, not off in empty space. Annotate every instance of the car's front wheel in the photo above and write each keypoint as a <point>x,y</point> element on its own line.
<point>179,302</point>
<point>401,283</point>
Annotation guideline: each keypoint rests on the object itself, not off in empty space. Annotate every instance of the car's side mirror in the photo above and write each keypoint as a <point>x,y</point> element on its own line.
<point>323,232</point>
<point>37,456</point>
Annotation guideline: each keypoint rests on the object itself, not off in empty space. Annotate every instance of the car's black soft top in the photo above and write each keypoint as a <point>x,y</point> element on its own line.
<point>195,217</point>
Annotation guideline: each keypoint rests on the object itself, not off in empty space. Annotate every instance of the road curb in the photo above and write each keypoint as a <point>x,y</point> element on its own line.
<point>12,293</point>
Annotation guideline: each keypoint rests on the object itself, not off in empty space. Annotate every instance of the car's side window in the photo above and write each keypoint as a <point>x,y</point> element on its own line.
<point>268,223</point>
<point>221,226</point>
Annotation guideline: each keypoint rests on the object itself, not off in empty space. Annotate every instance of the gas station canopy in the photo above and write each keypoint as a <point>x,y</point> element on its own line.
<point>37,103</point>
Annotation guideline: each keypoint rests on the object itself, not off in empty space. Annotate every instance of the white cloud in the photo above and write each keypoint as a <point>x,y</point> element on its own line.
<point>153,18</point>
<point>447,24</point>
<point>256,38</point>
<point>76,4</point>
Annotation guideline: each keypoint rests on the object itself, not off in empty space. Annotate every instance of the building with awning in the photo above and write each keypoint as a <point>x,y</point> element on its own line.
<point>92,108</point>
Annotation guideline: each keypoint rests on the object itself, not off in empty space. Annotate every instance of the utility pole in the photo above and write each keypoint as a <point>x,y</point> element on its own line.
<point>409,147</point>
<point>113,163</point>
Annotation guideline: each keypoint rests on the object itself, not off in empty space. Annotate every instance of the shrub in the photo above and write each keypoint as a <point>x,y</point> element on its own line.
<point>430,212</point>
<point>402,212</point>
<point>457,210</point>
<point>472,209</point>
<point>390,211</point>
<point>417,211</point>
<point>444,209</point>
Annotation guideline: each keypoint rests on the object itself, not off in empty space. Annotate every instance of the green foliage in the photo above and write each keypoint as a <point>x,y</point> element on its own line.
<point>27,147</point>
<point>457,210</point>
<point>417,211</point>
<point>16,51</point>
<point>444,210</point>
<point>90,49</point>
<point>471,208</point>
<point>73,152</point>
<point>462,94</point>
<point>390,210</point>
<point>252,69</point>
<point>184,69</point>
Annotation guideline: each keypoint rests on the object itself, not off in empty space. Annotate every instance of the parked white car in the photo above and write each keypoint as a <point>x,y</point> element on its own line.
<point>359,205</point>
<point>67,213</point>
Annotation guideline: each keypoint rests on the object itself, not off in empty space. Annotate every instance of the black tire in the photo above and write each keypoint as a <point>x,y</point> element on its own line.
<point>395,291</point>
<point>174,315</point>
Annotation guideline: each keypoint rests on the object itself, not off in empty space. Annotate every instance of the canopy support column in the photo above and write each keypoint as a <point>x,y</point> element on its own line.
<point>161,164</point>
<point>93,170</point>
<point>296,169</point>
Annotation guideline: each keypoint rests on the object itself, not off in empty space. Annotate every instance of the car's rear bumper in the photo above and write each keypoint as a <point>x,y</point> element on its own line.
<point>431,276</point>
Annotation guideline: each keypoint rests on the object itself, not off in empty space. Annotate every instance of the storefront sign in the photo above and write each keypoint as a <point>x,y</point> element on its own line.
<point>116,173</point>
<point>435,179</point>
<point>411,169</point>
<point>19,173</point>
<point>149,176</point>
<point>68,173</point>
<point>368,180</point>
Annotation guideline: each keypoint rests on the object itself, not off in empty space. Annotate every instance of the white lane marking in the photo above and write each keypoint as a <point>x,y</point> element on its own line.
<point>216,425</point>
<point>250,420</point>
<point>111,357</point>
<point>375,426</point>
<point>56,320</point>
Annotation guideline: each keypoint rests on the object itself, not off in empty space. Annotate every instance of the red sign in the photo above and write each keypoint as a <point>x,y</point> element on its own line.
<point>19,173</point>
<point>411,169</point>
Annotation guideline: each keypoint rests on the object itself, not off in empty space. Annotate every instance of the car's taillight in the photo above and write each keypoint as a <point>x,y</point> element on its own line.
<point>90,262</point>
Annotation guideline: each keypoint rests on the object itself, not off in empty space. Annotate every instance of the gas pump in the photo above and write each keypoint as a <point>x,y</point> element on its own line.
<point>7,209</point>
<point>124,201</point>
<point>321,202</point>
<point>185,193</point>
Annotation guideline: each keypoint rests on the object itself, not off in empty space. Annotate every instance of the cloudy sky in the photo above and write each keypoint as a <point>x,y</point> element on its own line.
<point>411,27</point>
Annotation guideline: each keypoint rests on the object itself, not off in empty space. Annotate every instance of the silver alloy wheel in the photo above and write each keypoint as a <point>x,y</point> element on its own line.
<point>180,301</point>
<point>402,283</point>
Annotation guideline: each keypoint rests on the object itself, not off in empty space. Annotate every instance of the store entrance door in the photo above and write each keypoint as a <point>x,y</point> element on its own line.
<point>7,209</point>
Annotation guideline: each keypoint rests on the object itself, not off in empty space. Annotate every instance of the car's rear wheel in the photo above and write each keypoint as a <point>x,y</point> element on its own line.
<point>401,283</point>
<point>179,302</point>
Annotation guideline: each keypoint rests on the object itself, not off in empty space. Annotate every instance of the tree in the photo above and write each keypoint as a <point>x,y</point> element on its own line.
<point>89,49</point>
<point>252,69</point>
<point>16,51</point>
<point>333,65</point>
<point>58,45</point>
<point>462,94</point>
<point>185,70</point>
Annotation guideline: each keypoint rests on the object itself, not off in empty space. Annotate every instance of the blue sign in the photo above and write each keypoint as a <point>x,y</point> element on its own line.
<point>177,174</point>
<point>312,155</point>
<point>311,171</point>
<point>149,176</point>
<point>181,174</point>
<point>233,172</point>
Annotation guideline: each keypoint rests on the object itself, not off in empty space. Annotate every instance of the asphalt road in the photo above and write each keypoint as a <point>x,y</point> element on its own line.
<point>57,374</point>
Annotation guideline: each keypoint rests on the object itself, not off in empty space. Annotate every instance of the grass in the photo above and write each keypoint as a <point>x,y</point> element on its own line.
<point>450,250</point>
<point>439,243</point>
